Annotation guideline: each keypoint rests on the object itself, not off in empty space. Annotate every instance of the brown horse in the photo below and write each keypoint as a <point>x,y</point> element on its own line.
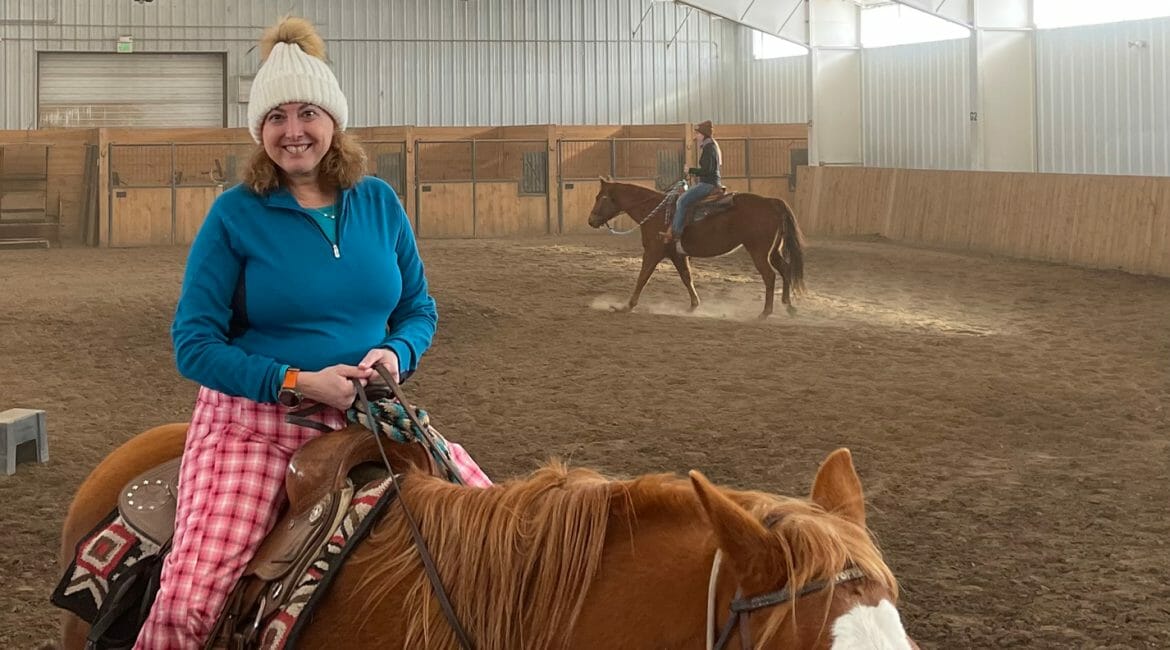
<point>569,559</point>
<point>764,226</point>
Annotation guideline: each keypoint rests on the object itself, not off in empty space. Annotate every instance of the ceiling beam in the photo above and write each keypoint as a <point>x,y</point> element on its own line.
<point>782,18</point>
<point>955,11</point>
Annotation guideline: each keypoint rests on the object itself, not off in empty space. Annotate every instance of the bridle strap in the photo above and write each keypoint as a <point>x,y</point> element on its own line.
<point>742,607</point>
<point>711,584</point>
<point>783,596</point>
<point>420,544</point>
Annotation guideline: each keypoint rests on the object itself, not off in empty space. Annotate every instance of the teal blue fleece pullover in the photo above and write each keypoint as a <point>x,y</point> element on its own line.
<point>265,289</point>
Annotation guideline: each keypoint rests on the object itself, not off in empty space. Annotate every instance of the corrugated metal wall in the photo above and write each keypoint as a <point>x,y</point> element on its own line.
<point>776,90</point>
<point>915,105</point>
<point>437,62</point>
<point>1103,98</point>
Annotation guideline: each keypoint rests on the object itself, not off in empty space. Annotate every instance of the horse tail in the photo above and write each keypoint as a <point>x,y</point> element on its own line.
<point>791,243</point>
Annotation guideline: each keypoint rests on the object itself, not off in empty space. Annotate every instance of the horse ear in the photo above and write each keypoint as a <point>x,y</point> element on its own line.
<point>837,487</point>
<point>744,540</point>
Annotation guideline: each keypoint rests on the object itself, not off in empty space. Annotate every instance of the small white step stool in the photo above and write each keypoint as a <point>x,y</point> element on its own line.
<point>18,426</point>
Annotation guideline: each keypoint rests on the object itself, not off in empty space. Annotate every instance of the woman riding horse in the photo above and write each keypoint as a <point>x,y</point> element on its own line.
<point>707,180</point>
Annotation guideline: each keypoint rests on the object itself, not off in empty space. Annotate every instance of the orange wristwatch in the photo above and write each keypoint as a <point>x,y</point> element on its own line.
<point>289,394</point>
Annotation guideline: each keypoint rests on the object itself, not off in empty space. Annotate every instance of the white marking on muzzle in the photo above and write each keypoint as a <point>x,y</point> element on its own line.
<point>870,628</point>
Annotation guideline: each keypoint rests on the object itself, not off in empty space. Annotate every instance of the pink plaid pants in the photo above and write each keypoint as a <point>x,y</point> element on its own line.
<point>231,489</point>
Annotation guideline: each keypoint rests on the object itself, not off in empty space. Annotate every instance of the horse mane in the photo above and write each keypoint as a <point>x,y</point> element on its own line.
<point>516,558</point>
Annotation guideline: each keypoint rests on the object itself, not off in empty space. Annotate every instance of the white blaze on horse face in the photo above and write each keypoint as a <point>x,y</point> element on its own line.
<point>870,628</point>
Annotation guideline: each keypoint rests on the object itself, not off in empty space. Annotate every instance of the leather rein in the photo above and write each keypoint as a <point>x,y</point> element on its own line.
<point>419,543</point>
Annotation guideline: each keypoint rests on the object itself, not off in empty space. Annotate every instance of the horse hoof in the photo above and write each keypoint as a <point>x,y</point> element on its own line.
<point>791,310</point>
<point>765,315</point>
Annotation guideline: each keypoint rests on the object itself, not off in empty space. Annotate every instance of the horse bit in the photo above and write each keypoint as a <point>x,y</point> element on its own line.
<point>741,608</point>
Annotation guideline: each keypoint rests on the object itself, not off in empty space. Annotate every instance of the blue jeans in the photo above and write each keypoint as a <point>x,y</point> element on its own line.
<point>697,192</point>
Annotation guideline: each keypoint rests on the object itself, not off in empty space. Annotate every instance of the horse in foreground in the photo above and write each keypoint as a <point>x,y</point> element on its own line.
<point>569,559</point>
<point>765,227</point>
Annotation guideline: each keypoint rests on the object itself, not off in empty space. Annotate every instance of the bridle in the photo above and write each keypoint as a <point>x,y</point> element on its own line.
<point>741,607</point>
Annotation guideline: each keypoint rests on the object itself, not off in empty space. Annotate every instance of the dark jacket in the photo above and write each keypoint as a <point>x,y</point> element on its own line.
<point>710,159</point>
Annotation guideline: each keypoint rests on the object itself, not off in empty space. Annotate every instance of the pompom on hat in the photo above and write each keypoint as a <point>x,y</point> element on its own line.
<point>293,69</point>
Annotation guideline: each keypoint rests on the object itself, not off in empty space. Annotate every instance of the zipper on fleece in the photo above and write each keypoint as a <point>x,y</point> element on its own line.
<point>340,214</point>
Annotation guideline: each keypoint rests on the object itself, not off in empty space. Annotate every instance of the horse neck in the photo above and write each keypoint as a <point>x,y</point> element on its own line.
<point>668,601</point>
<point>638,201</point>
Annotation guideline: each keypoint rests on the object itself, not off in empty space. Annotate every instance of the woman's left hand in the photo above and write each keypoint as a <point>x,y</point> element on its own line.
<point>379,356</point>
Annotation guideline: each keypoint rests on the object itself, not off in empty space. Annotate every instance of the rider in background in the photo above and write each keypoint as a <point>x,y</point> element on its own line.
<point>707,174</point>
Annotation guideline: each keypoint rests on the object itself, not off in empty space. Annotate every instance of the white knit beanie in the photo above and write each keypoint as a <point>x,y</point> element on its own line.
<point>294,70</point>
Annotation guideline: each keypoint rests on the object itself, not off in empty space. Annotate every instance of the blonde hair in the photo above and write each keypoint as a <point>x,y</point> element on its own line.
<point>342,167</point>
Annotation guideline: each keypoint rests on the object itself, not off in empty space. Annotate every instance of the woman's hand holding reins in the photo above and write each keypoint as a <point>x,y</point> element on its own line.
<point>379,357</point>
<point>332,385</point>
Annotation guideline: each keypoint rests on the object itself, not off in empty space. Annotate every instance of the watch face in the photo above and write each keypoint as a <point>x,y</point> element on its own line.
<point>289,398</point>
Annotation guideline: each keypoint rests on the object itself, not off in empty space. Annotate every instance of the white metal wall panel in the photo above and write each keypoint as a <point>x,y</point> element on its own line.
<point>434,62</point>
<point>1103,98</point>
<point>775,90</point>
<point>96,89</point>
<point>916,105</point>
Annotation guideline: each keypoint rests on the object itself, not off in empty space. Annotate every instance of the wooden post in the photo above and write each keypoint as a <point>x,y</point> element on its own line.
<point>104,197</point>
<point>410,191</point>
<point>553,193</point>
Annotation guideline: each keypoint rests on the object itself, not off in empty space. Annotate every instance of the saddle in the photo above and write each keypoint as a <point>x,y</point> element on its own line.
<point>320,481</point>
<point>716,194</point>
<point>719,200</point>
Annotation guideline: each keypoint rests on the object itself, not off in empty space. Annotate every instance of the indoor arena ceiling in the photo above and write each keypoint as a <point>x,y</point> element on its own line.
<point>785,18</point>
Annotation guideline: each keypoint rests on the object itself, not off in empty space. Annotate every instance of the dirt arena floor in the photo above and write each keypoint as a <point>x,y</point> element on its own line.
<point>1008,419</point>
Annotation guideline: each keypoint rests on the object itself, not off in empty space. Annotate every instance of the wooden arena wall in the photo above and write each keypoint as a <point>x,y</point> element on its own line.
<point>135,187</point>
<point>141,187</point>
<point>1105,222</point>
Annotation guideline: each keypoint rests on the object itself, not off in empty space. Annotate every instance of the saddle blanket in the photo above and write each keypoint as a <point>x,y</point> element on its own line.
<point>112,550</point>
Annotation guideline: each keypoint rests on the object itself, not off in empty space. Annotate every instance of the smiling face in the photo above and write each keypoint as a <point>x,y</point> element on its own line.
<point>296,137</point>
